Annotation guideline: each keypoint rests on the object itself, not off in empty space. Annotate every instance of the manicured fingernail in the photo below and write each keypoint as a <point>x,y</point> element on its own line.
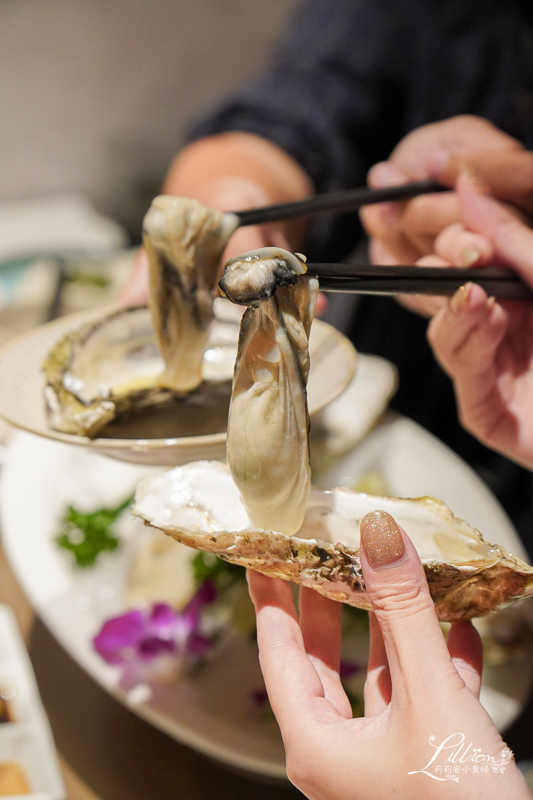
<point>475,180</point>
<point>381,539</point>
<point>460,297</point>
<point>384,174</point>
<point>390,213</point>
<point>470,256</point>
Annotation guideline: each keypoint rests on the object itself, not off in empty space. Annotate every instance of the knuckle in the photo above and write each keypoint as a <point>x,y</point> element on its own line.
<point>406,598</point>
<point>449,237</point>
<point>433,332</point>
<point>428,214</point>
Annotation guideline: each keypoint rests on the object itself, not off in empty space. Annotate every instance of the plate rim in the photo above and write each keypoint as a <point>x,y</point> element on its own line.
<point>116,446</point>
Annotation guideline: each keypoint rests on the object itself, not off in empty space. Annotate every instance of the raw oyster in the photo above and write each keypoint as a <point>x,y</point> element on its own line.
<point>84,391</point>
<point>184,241</point>
<point>257,275</point>
<point>200,505</point>
<point>268,422</point>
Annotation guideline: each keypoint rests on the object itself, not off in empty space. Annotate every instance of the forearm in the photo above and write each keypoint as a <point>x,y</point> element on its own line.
<point>238,170</point>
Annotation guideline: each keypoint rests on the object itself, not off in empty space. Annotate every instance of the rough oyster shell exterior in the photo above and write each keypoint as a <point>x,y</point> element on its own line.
<point>198,504</point>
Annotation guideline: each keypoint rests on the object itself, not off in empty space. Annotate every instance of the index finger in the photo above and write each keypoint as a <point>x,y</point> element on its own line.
<point>292,682</point>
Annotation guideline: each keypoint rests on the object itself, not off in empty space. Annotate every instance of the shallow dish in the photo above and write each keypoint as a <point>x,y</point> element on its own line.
<point>333,361</point>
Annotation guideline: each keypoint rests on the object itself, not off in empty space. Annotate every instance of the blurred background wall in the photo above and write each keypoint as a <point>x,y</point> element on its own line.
<point>95,95</point>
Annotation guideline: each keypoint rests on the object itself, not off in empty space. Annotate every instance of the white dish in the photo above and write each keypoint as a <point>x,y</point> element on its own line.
<point>332,357</point>
<point>28,739</point>
<point>212,712</point>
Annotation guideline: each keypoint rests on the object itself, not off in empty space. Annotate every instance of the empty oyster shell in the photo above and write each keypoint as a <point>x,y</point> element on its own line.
<point>110,366</point>
<point>200,505</point>
<point>114,365</point>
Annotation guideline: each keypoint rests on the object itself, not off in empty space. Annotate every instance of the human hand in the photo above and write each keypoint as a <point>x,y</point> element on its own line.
<point>418,686</point>
<point>232,172</point>
<point>229,194</point>
<point>486,347</point>
<point>400,233</point>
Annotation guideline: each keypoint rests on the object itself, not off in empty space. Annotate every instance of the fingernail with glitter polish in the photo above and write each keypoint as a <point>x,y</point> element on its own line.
<point>460,298</point>
<point>382,540</point>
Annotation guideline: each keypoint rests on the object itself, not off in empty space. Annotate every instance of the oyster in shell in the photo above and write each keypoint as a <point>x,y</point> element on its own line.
<point>99,370</point>
<point>268,423</point>
<point>110,366</point>
<point>199,504</point>
<point>127,360</point>
<point>184,241</point>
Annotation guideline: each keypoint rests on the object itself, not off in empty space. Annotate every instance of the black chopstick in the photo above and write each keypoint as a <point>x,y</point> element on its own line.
<point>384,280</point>
<point>338,202</point>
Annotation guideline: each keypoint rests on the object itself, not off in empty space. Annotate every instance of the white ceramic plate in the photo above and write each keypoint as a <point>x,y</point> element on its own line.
<point>211,713</point>
<point>332,356</point>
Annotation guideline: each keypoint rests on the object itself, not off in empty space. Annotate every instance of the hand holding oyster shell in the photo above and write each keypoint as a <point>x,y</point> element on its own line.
<point>420,693</point>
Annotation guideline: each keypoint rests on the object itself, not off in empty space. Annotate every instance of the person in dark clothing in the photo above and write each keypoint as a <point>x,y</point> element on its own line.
<point>350,80</point>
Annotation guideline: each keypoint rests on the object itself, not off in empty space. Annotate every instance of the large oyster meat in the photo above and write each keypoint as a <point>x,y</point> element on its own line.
<point>268,423</point>
<point>200,505</point>
<point>184,241</point>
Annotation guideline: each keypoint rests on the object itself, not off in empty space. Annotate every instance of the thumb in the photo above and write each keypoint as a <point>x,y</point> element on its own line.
<point>397,588</point>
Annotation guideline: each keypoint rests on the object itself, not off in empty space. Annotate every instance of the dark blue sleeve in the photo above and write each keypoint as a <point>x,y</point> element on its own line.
<point>353,77</point>
<point>326,90</point>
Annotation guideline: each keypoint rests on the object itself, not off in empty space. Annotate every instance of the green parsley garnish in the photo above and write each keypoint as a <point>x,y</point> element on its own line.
<point>88,535</point>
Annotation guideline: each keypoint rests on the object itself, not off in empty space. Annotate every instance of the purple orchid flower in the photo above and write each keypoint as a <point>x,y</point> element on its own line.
<point>349,668</point>
<point>143,635</point>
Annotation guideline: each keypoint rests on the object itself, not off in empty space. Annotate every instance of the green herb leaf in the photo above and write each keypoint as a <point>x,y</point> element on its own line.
<point>86,535</point>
